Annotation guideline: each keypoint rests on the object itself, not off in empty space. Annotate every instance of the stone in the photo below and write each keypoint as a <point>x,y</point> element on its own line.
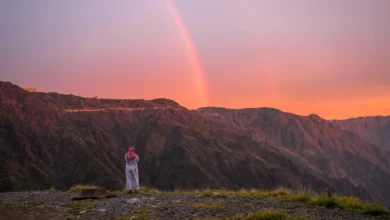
<point>94,193</point>
<point>133,201</point>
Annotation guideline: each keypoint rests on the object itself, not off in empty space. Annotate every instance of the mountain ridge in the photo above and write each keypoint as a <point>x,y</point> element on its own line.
<point>43,145</point>
<point>2,83</point>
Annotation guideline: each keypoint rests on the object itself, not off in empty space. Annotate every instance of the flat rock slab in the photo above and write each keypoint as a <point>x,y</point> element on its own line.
<point>98,191</point>
<point>93,197</point>
<point>94,193</point>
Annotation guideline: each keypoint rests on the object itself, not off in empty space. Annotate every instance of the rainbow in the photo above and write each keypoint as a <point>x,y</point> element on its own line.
<point>199,73</point>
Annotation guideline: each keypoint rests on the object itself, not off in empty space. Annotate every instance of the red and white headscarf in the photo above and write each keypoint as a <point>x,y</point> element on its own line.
<point>131,155</point>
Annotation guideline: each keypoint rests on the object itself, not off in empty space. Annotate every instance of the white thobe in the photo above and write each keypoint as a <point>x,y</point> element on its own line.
<point>132,179</point>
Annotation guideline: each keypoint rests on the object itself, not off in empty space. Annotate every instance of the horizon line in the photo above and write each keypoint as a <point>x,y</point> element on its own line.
<point>195,109</point>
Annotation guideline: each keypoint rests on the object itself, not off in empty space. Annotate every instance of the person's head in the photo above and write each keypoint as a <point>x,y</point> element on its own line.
<point>131,149</point>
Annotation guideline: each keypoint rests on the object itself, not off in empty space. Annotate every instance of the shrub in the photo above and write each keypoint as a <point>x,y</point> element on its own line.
<point>280,192</point>
<point>346,202</point>
<point>52,189</point>
<point>374,209</point>
<point>208,193</point>
<point>299,198</point>
<point>324,200</point>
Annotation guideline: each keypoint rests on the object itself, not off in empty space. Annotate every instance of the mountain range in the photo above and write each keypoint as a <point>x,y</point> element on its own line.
<point>55,140</point>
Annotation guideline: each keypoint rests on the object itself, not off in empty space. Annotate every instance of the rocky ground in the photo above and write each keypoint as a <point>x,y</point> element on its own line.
<point>59,206</point>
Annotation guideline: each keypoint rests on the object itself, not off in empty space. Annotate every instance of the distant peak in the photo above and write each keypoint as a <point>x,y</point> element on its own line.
<point>314,116</point>
<point>8,85</point>
<point>165,101</point>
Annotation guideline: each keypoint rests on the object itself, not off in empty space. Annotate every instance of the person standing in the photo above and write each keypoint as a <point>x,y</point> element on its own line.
<point>132,178</point>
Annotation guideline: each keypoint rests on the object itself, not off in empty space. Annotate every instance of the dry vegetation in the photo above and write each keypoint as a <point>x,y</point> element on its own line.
<point>323,200</point>
<point>78,188</point>
<point>139,214</point>
<point>11,204</point>
<point>262,215</point>
<point>77,207</point>
<point>208,205</point>
<point>283,194</point>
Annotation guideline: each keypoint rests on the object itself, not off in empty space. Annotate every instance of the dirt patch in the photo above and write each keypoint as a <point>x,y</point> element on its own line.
<point>32,213</point>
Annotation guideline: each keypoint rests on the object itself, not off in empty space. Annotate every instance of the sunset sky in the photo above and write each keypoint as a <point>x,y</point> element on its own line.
<point>328,57</point>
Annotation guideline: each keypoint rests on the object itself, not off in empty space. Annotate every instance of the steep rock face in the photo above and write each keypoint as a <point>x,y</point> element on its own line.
<point>335,153</point>
<point>61,140</point>
<point>375,129</point>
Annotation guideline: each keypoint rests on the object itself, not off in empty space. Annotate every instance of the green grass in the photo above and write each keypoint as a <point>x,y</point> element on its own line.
<point>78,188</point>
<point>145,189</point>
<point>11,204</point>
<point>262,215</point>
<point>208,205</point>
<point>298,198</point>
<point>323,200</point>
<point>52,189</point>
<point>349,204</point>
<point>139,214</point>
<point>283,194</point>
<point>77,207</point>
<point>375,210</point>
<point>267,215</point>
<point>125,216</point>
<point>277,193</point>
<point>280,193</point>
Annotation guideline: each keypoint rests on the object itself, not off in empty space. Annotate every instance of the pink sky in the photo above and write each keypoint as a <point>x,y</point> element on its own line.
<point>329,57</point>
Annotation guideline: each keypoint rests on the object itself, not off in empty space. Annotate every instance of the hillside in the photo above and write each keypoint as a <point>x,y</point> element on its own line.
<point>49,139</point>
<point>59,140</point>
<point>375,129</point>
<point>343,157</point>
